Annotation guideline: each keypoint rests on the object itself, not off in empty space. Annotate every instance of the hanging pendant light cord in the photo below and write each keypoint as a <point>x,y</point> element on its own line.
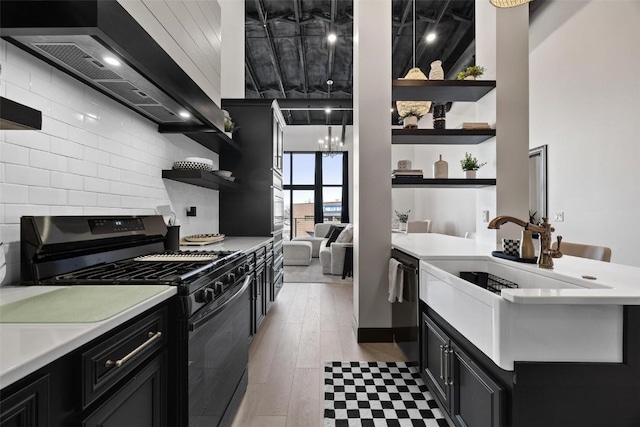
<point>414,34</point>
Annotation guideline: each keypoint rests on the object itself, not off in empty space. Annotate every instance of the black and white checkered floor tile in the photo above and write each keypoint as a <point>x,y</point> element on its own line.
<point>372,394</point>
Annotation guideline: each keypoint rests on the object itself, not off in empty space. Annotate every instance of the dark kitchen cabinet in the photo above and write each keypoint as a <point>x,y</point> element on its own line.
<point>118,379</point>
<point>465,391</point>
<point>28,406</point>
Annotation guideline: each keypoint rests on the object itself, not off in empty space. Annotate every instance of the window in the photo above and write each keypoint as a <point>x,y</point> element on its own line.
<point>314,191</point>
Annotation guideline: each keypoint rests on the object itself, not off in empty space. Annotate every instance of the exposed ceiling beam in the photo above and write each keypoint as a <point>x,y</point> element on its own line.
<point>332,46</point>
<point>302,53</point>
<point>403,20</point>
<point>315,104</point>
<point>464,52</point>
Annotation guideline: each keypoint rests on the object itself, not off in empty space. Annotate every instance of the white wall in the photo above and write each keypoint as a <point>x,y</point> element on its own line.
<point>233,85</point>
<point>78,165</point>
<point>585,102</point>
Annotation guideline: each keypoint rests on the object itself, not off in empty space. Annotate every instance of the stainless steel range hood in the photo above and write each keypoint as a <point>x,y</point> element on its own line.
<point>100,44</point>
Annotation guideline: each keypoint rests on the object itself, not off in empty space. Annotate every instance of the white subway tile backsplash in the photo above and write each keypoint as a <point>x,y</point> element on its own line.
<point>54,127</point>
<point>44,88</point>
<point>121,188</point>
<point>18,174</point>
<point>31,139</point>
<point>66,115</point>
<point>82,198</point>
<point>96,185</point>
<point>35,66</point>
<point>79,104</point>
<point>66,210</point>
<point>66,181</point>
<point>83,167</point>
<point>16,154</point>
<point>10,233</point>
<point>1,175</point>
<point>16,75</point>
<point>96,156</point>
<point>13,213</point>
<point>108,172</point>
<point>95,211</point>
<point>97,126</point>
<point>110,146</point>
<point>30,99</point>
<point>47,160</point>
<point>47,196</point>
<point>109,200</point>
<point>67,83</point>
<point>66,148</point>
<point>83,137</point>
<point>130,202</point>
<point>12,193</point>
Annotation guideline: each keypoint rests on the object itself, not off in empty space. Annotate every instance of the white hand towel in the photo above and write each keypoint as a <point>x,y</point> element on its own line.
<point>395,281</point>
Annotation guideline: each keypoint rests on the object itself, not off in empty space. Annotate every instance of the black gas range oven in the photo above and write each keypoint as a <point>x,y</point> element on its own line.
<point>212,311</point>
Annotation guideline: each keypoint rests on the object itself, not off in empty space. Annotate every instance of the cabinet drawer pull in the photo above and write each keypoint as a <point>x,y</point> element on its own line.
<point>446,364</point>
<point>442,356</point>
<point>152,337</point>
<point>449,365</point>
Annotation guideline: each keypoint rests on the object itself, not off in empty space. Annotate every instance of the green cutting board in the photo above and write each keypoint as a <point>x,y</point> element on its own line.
<point>77,304</point>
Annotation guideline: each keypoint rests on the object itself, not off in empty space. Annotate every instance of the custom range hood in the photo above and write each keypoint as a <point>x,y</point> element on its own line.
<point>101,44</point>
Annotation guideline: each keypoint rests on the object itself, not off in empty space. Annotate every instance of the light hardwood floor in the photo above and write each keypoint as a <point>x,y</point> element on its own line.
<point>308,325</point>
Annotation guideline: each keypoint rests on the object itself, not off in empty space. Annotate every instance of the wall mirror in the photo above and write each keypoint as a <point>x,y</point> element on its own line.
<point>537,184</point>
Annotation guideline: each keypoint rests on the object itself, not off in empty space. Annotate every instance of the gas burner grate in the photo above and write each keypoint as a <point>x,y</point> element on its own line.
<point>179,257</point>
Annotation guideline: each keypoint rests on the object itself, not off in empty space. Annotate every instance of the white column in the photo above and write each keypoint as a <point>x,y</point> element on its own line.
<point>232,49</point>
<point>502,46</point>
<point>372,163</point>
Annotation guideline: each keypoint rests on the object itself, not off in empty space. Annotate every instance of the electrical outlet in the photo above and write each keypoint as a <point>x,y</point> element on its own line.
<point>559,217</point>
<point>191,211</point>
<point>485,216</point>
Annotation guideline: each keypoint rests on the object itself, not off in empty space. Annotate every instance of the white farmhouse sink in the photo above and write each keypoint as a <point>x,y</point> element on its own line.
<point>547,330</point>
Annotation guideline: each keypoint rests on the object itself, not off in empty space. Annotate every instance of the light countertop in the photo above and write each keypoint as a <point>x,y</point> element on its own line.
<point>615,284</point>
<point>231,243</point>
<point>27,347</point>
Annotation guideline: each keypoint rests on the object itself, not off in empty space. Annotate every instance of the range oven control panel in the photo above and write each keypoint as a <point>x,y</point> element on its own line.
<point>115,225</point>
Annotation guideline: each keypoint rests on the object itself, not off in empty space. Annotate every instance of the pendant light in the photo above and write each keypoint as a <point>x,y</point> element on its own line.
<point>508,3</point>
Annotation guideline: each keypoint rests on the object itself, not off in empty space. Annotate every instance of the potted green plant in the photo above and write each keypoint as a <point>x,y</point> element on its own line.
<point>403,217</point>
<point>470,165</point>
<point>410,118</point>
<point>471,72</point>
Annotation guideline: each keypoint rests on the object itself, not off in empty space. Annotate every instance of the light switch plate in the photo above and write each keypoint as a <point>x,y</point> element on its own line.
<point>559,217</point>
<point>485,216</point>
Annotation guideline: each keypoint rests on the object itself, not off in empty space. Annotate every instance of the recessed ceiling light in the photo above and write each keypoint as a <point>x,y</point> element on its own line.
<point>431,37</point>
<point>185,114</point>
<point>111,61</point>
<point>327,110</point>
<point>332,37</point>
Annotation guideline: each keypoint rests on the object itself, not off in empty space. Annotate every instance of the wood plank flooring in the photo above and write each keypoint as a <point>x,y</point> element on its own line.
<point>309,324</point>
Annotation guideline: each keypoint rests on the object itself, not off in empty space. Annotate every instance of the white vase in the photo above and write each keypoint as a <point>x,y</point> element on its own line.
<point>470,174</point>
<point>410,122</point>
<point>441,169</point>
<point>403,226</point>
<point>470,78</point>
<point>436,72</point>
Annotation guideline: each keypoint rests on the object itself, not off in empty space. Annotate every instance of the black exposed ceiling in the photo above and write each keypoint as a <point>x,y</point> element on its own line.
<point>288,55</point>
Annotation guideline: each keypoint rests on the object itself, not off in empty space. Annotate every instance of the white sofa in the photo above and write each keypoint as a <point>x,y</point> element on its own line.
<point>332,257</point>
<point>320,230</point>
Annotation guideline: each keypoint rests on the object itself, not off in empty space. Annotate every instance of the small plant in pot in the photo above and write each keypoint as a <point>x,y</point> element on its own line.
<point>470,73</point>
<point>470,165</point>
<point>403,217</point>
<point>409,119</point>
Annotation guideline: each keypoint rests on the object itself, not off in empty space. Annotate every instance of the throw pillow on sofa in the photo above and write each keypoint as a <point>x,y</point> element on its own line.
<point>334,235</point>
<point>332,228</point>
<point>345,236</point>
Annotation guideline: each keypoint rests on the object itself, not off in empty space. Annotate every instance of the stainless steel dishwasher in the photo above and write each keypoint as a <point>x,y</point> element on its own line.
<point>404,315</point>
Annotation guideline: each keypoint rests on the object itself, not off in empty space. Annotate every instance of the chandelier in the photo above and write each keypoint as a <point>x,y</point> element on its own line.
<point>330,146</point>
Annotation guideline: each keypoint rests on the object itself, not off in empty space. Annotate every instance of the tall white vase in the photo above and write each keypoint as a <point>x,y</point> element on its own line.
<point>436,73</point>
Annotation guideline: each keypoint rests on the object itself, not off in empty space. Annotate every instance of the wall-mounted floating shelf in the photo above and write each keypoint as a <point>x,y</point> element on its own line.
<point>442,183</point>
<point>440,90</point>
<point>201,179</point>
<point>441,136</point>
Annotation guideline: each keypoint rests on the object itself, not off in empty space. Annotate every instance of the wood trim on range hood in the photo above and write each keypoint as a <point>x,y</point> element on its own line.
<point>14,116</point>
<point>69,36</point>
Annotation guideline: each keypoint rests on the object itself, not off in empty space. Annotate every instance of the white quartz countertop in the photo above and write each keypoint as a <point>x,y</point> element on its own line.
<point>231,243</point>
<point>599,282</point>
<point>27,347</point>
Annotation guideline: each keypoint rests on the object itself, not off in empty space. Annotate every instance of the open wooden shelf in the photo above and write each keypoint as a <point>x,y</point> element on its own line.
<point>212,139</point>
<point>440,90</point>
<point>441,136</point>
<point>201,179</point>
<point>442,183</point>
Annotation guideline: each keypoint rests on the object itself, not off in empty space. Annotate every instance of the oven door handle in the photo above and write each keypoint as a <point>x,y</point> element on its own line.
<point>195,325</point>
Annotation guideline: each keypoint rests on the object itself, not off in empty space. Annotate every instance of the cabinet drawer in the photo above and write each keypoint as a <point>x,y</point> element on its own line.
<point>114,357</point>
